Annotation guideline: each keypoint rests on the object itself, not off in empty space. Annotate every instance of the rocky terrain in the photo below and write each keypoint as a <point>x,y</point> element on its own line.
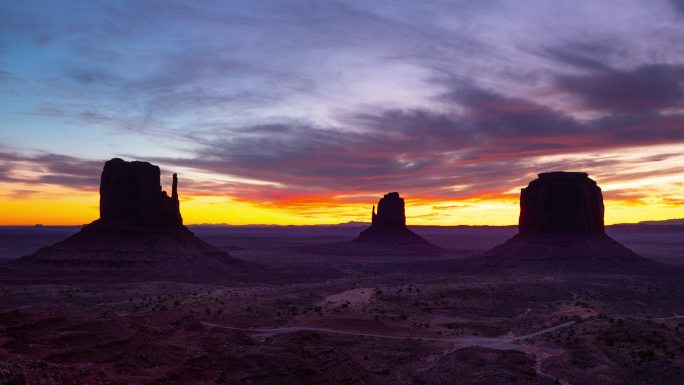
<point>360,327</point>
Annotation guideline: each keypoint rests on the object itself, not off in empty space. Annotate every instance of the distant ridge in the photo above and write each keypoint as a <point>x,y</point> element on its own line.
<point>677,222</point>
<point>343,224</point>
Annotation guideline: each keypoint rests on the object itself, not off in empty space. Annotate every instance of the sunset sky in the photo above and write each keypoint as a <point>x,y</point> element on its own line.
<point>307,112</point>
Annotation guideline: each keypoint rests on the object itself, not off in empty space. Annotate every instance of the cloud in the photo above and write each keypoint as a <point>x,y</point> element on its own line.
<point>590,56</point>
<point>48,168</point>
<point>22,194</point>
<point>644,89</point>
<point>487,145</point>
<point>678,5</point>
<point>292,101</point>
<point>484,143</point>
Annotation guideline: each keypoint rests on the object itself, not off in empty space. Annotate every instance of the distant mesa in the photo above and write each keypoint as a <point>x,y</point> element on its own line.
<point>140,232</point>
<point>666,222</point>
<point>561,224</point>
<point>388,226</point>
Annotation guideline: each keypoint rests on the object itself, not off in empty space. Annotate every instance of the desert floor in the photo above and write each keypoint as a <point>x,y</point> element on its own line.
<point>351,319</point>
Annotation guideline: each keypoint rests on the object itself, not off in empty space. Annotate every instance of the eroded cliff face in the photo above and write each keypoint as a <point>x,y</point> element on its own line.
<point>561,203</point>
<point>131,194</point>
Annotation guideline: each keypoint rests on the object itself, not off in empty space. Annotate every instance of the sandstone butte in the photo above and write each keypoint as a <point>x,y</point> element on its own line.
<point>140,233</point>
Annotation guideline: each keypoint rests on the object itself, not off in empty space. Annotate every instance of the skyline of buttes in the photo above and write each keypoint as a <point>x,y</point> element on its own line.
<point>362,220</point>
<point>293,113</point>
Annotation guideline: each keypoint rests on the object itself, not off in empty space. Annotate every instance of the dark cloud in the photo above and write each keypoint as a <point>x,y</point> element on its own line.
<point>480,146</point>
<point>678,5</point>
<point>647,88</point>
<point>492,114</point>
<point>481,149</point>
<point>89,76</point>
<point>48,168</point>
<point>22,194</point>
<point>254,90</point>
<point>590,55</point>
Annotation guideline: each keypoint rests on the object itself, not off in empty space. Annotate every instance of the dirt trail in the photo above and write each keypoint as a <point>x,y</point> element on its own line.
<point>506,342</point>
<point>464,341</point>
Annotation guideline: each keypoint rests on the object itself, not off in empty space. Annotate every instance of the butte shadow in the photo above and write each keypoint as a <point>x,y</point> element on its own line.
<point>561,228</point>
<point>139,236</point>
<point>386,236</point>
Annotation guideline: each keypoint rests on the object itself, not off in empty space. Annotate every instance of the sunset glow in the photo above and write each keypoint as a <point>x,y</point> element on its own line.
<point>283,113</point>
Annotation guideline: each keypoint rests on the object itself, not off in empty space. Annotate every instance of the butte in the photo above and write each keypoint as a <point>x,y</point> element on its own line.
<point>561,226</point>
<point>388,226</point>
<point>139,235</point>
<point>387,235</point>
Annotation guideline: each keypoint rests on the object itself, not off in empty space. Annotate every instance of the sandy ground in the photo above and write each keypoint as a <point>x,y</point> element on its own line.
<point>660,243</point>
<point>371,322</point>
<point>351,297</point>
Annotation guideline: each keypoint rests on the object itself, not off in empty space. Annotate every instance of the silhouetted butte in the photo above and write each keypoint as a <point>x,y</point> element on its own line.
<point>388,226</point>
<point>139,233</point>
<point>130,194</point>
<point>561,202</point>
<point>387,236</point>
<point>561,224</point>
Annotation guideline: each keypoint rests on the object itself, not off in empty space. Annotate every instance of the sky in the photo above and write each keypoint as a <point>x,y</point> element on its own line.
<point>307,112</point>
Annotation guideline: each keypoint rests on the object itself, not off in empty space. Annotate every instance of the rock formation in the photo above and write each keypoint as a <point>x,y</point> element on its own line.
<point>388,226</point>
<point>391,211</point>
<point>140,232</point>
<point>561,202</point>
<point>131,194</point>
<point>387,236</point>
<point>561,224</point>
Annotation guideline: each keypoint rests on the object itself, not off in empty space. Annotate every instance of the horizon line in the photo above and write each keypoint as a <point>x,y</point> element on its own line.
<point>335,224</point>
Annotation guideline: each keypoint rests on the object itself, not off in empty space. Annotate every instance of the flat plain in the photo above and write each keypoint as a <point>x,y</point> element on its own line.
<point>317,318</point>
